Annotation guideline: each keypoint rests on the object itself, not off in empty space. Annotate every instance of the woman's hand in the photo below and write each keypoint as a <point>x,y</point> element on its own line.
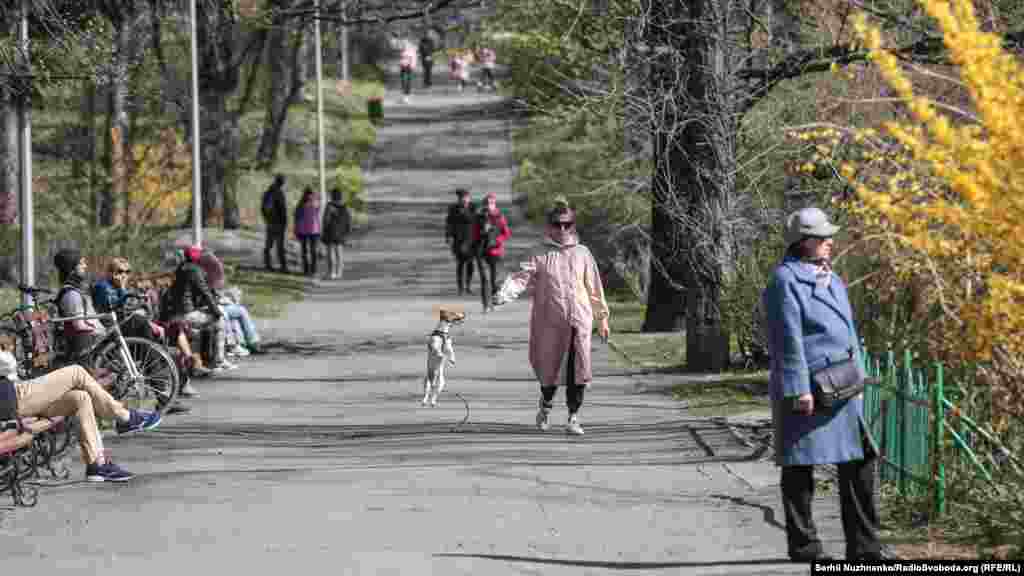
<point>603,331</point>
<point>805,404</point>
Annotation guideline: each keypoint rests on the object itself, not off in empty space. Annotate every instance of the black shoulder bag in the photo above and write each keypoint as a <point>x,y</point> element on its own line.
<point>838,380</point>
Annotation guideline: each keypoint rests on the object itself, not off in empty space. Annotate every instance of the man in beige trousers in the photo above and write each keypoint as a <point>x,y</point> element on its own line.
<point>72,391</point>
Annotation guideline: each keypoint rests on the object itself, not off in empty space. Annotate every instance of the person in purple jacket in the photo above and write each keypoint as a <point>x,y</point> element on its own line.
<point>307,229</point>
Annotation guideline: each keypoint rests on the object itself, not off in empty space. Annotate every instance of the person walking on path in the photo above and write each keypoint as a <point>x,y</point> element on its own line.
<point>275,214</point>
<point>426,51</point>
<point>336,226</point>
<point>72,391</point>
<point>490,232</point>
<point>568,297</point>
<point>459,234</point>
<point>307,229</point>
<point>809,325</point>
<point>487,59</point>
<point>407,64</point>
<point>458,67</point>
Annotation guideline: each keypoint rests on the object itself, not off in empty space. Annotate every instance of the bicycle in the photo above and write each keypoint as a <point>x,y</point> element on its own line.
<point>25,330</point>
<point>136,371</point>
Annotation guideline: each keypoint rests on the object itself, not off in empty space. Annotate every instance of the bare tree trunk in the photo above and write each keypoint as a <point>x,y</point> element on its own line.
<point>284,89</point>
<point>694,181</point>
<point>666,298</point>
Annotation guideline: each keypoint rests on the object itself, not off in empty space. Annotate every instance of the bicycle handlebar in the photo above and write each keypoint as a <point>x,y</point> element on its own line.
<point>32,290</point>
<point>100,316</point>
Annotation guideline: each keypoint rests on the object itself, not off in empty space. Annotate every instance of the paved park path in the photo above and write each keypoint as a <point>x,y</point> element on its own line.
<point>322,459</point>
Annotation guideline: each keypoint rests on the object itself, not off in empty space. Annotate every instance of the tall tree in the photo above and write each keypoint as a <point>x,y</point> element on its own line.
<point>708,64</point>
<point>286,76</point>
<point>114,200</point>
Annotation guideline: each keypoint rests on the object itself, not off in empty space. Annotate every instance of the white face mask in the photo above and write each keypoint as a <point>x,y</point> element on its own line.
<point>8,365</point>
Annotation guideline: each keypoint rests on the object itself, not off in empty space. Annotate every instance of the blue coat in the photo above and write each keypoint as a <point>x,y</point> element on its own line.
<point>806,325</point>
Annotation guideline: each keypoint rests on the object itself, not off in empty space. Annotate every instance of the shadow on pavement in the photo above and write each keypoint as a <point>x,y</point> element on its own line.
<point>614,565</point>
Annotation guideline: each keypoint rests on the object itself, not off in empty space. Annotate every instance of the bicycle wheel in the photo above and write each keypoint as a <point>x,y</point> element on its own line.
<point>158,383</point>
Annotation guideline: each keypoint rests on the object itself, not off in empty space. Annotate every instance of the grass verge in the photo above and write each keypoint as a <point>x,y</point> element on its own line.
<point>636,349</point>
<point>725,395</point>
<point>267,294</point>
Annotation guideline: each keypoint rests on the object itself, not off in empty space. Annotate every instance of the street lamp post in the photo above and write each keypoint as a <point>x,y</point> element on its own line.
<point>197,200</point>
<point>28,271</point>
<point>320,110</point>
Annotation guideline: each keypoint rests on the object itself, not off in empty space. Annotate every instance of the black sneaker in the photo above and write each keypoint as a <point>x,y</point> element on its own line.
<point>108,472</point>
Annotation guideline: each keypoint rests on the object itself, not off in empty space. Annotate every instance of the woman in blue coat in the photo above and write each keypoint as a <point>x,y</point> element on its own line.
<point>809,322</point>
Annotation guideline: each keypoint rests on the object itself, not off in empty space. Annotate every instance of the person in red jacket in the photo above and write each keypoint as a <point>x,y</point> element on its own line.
<point>490,232</point>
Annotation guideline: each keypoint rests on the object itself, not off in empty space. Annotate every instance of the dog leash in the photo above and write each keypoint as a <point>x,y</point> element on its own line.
<point>466,417</point>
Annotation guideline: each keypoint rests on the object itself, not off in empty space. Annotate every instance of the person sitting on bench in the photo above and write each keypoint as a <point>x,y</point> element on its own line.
<point>72,391</point>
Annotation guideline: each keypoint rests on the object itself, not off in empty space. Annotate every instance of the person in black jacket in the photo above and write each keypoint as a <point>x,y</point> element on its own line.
<point>191,300</point>
<point>458,232</point>
<point>426,50</point>
<point>335,229</point>
<point>275,214</point>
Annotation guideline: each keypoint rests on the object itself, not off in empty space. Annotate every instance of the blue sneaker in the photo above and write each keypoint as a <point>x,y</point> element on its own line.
<point>108,472</point>
<point>139,420</point>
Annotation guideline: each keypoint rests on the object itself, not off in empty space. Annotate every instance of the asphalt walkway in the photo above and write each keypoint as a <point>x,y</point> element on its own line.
<point>322,458</point>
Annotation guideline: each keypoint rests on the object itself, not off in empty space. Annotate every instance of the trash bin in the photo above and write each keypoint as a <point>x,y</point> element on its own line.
<point>375,109</point>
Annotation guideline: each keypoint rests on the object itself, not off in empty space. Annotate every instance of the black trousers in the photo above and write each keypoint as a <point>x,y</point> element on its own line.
<point>573,392</point>
<point>488,277</point>
<point>309,245</point>
<point>406,77</point>
<point>275,236</point>
<point>463,271</point>
<point>856,500</point>
<point>428,69</point>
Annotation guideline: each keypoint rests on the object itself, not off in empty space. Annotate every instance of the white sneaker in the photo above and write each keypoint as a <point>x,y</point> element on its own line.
<point>240,351</point>
<point>542,419</point>
<point>224,366</point>
<point>572,427</point>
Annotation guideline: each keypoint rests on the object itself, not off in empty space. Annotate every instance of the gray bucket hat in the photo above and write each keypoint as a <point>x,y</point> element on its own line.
<point>807,222</point>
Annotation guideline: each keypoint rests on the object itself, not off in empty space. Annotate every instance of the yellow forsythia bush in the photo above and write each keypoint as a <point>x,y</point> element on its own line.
<point>160,186</point>
<point>948,190</point>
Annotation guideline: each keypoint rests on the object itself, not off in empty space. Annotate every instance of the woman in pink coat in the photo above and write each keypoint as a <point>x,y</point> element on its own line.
<point>567,298</point>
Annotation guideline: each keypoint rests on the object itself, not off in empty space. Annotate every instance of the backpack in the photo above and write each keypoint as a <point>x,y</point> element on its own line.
<point>268,204</point>
<point>337,224</point>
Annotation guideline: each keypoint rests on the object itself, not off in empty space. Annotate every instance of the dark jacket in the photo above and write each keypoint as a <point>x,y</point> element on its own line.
<point>426,48</point>
<point>275,208</point>
<point>459,227</point>
<point>337,223</point>
<point>190,291</point>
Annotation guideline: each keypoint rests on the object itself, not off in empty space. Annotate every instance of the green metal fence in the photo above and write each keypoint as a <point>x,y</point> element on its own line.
<point>910,418</point>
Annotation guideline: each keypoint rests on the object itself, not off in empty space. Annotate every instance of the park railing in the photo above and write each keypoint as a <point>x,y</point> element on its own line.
<point>912,420</point>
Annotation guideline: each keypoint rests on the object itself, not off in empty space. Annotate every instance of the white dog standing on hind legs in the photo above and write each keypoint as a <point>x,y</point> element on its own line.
<point>440,351</point>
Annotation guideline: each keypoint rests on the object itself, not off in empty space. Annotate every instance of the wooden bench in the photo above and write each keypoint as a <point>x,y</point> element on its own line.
<point>33,445</point>
<point>28,445</point>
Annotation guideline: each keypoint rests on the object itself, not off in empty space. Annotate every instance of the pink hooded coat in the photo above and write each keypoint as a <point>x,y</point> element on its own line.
<point>567,294</point>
